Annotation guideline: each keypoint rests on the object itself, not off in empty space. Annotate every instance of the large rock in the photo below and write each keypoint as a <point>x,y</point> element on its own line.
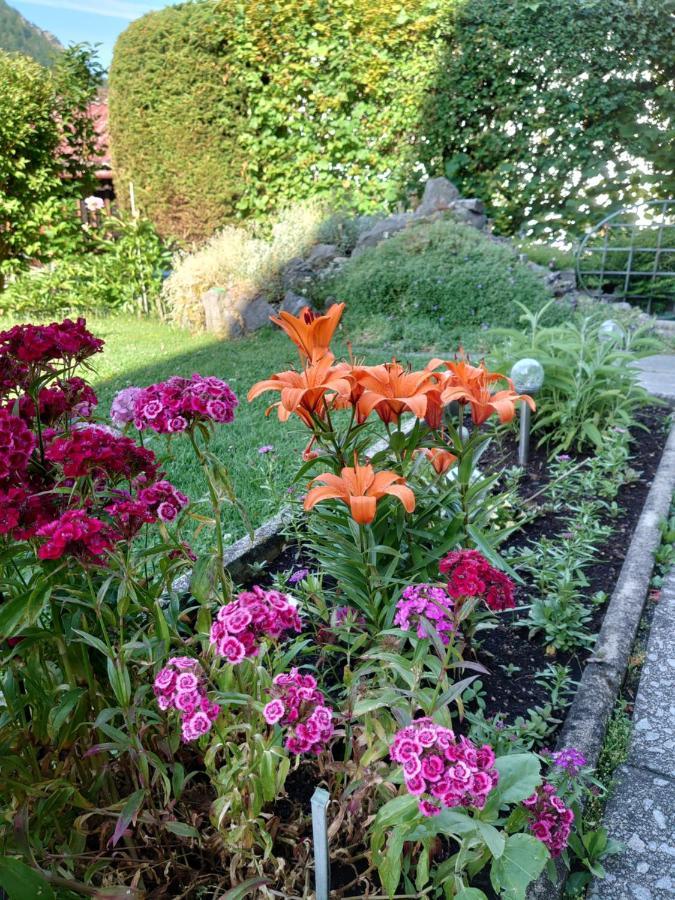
<point>382,230</point>
<point>294,303</point>
<point>220,320</point>
<point>470,212</point>
<point>321,256</point>
<point>439,193</point>
<point>256,313</point>
<point>297,274</point>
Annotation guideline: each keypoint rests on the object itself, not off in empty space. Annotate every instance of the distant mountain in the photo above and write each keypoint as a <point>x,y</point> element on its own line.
<point>19,35</point>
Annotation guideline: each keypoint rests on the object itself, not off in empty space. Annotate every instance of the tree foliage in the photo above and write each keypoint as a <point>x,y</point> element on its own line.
<point>225,110</point>
<point>555,112</point>
<point>46,139</point>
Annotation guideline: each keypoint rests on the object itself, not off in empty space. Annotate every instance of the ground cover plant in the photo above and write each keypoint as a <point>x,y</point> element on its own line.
<point>147,732</point>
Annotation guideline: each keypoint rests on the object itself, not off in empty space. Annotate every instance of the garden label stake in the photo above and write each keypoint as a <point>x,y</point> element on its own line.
<point>320,799</point>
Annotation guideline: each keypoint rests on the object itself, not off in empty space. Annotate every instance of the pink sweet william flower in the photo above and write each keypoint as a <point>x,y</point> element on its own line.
<point>445,771</point>
<point>471,575</point>
<point>550,821</point>
<point>75,534</point>
<point>430,602</point>
<point>176,404</point>
<point>241,625</point>
<point>181,685</point>
<point>123,407</point>
<point>298,705</point>
<point>39,345</point>
<point>163,500</point>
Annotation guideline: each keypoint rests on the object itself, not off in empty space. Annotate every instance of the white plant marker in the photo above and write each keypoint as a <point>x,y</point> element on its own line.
<point>320,800</point>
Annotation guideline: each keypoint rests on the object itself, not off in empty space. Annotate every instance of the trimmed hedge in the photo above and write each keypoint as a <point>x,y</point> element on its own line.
<point>224,110</point>
<point>541,108</point>
<point>435,285</point>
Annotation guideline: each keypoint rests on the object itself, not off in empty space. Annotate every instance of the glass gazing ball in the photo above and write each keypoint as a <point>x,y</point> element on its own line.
<point>527,376</point>
<point>611,332</point>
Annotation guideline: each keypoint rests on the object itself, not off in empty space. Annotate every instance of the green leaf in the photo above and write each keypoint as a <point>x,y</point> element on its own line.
<point>128,815</point>
<point>182,829</point>
<point>494,839</point>
<point>21,882</point>
<point>470,893</point>
<point>244,889</point>
<point>519,776</point>
<point>398,810</point>
<point>523,860</point>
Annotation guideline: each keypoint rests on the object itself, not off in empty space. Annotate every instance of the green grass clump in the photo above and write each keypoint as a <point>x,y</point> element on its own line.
<point>433,286</point>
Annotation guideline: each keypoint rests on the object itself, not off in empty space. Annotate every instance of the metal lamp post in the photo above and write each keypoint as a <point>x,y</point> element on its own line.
<point>527,376</point>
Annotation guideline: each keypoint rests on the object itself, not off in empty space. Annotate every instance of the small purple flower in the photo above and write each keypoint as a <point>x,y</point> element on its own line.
<point>123,406</point>
<point>298,575</point>
<point>569,759</point>
<point>266,448</point>
<point>563,457</point>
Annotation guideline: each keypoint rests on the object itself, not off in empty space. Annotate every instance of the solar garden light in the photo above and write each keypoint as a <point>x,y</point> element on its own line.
<point>320,800</point>
<point>611,332</point>
<point>527,376</point>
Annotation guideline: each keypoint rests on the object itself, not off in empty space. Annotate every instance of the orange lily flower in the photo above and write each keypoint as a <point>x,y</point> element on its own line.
<point>440,459</point>
<point>391,390</point>
<point>310,333</point>
<point>304,393</point>
<point>472,385</point>
<point>360,488</point>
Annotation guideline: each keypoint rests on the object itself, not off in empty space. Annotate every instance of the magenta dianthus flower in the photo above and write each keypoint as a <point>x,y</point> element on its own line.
<point>298,705</point>
<point>430,602</point>
<point>173,405</point>
<point>180,685</point>
<point>253,615</point>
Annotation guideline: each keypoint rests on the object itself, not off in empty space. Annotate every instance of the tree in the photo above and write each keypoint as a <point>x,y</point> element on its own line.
<point>45,144</point>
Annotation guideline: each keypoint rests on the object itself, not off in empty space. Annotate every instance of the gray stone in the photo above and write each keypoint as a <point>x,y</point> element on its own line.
<point>439,193</point>
<point>256,314</point>
<point>657,375</point>
<point>381,231</point>
<point>321,256</point>
<point>218,318</point>
<point>267,544</point>
<point>469,212</point>
<point>646,868</point>
<point>297,274</point>
<point>653,743</point>
<point>294,303</point>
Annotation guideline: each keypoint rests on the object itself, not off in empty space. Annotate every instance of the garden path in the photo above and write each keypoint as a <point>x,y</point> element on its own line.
<point>641,811</point>
<point>657,375</point>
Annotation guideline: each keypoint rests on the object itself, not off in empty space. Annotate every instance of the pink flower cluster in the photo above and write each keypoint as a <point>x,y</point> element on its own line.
<point>75,534</point>
<point>471,575</point>
<point>94,451</point>
<point>163,500</point>
<point>253,615</point>
<point>123,407</point>
<point>68,341</point>
<point>430,602</point>
<point>173,405</point>
<point>550,820</point>
<point>17,443</point>
<point>180,685</point>
<point>453,771</point>
<point>299,705</point>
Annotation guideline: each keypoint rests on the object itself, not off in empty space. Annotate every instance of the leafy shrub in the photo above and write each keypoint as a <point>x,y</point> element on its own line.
<point>589,386</point>
<point>542,108</point>
<point>431,283</point>
<point>122,272</point>
<point>45,134</point>
<point>223,110</point>
<point>243,255</point>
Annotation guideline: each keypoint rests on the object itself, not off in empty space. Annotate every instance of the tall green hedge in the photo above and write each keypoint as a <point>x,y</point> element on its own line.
<point>231,108</point>
<point>227,109</point>
<point>555,111</point>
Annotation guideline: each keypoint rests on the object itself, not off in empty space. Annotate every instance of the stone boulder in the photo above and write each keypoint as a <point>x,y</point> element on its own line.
<point>381,230</point>
<point>294,303</point>
<point>469,212</point>
<point>220,320</point>
<point>321,256</point>
<point>439,194</point>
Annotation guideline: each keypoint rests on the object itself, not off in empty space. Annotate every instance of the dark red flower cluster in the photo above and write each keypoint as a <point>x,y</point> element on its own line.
<point>71,397</point>
<point>471,575</point>
<point>12,375</point>
<point>129,515</point>
<point>95,451</point>
<point>25,510</point>
<point>173,405</point>
<point>68,341</point>
<point>75,534</point>
<point>17,442</point>
<point>549,819</point>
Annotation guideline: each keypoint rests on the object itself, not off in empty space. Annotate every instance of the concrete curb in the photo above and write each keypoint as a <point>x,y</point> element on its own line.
<point>586,721</point>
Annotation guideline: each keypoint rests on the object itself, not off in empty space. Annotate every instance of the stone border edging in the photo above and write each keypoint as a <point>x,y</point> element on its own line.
<point>586,721</point>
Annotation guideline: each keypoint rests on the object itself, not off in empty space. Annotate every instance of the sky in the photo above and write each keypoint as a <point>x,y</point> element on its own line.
<point>91,21</point>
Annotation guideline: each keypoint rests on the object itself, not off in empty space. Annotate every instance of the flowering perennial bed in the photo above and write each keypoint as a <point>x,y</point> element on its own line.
<point>168,745</point>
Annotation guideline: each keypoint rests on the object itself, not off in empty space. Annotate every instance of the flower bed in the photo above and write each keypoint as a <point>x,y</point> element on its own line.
<point>416,659</point>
